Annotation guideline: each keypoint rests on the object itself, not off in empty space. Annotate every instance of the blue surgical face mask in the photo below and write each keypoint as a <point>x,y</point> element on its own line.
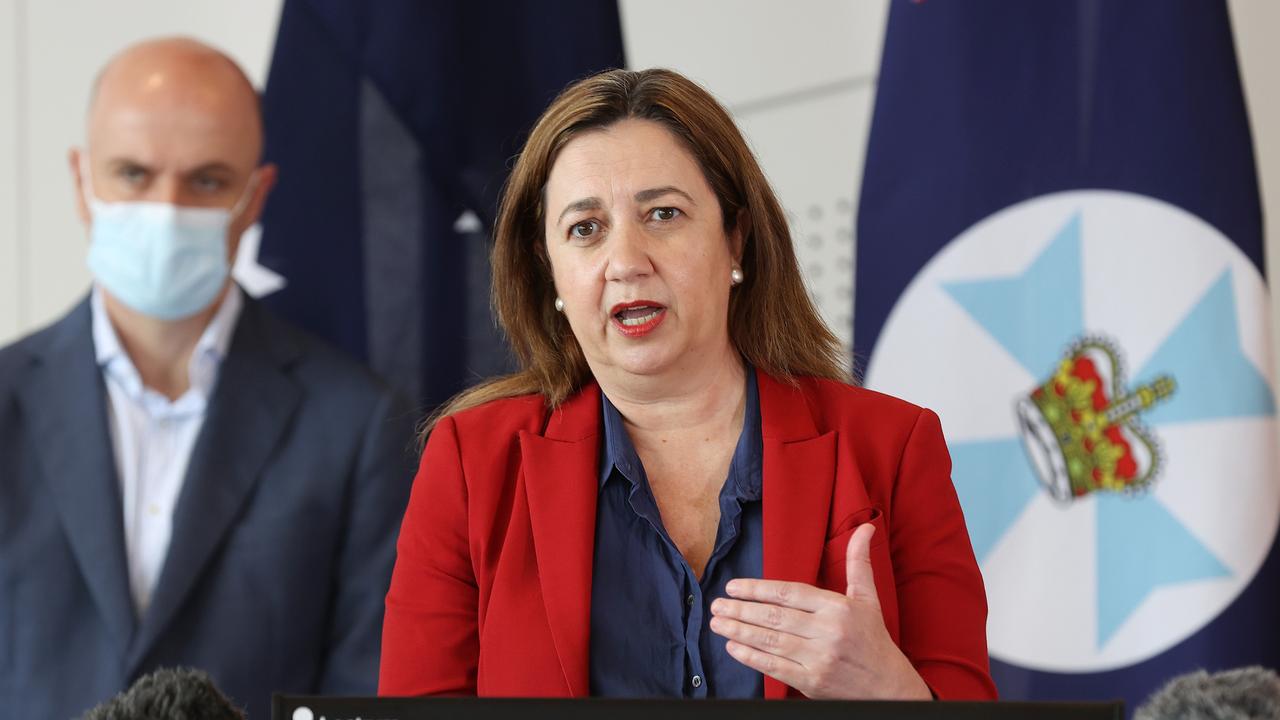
<point>165,261</point>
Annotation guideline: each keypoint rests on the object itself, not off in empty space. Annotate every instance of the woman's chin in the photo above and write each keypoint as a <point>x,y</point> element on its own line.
<point>663,359</point>
<point>646,362</point>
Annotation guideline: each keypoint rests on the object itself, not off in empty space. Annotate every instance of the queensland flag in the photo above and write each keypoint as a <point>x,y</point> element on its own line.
<point>393,124</point>
<point>1060,250</point>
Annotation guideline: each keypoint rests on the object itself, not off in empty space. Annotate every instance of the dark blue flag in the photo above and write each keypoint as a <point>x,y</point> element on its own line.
<point>393,124</point>
<point>1060,250</point>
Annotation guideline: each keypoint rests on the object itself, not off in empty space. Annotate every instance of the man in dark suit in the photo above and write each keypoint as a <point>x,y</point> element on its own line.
<point>185,479</point>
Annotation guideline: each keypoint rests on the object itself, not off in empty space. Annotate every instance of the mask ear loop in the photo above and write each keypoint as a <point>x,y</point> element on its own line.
<point>86,181</point>
<point>249,188</point>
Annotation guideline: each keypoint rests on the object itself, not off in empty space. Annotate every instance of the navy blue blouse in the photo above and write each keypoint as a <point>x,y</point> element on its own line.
<point>649,612</point>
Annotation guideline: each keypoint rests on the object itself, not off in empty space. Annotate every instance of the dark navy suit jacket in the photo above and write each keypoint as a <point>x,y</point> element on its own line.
<point>283,535</point>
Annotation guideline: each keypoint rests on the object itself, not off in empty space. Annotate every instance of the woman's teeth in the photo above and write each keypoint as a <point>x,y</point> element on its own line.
<point>632,317</point>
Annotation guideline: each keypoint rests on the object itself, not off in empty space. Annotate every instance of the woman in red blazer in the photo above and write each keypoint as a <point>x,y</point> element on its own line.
<point>680,493</point>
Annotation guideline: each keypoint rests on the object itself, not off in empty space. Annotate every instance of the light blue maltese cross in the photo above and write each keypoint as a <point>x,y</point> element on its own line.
<point>1034,316</point>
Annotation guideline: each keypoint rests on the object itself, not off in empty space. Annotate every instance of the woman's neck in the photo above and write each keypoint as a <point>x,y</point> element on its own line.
<point>692,400</point>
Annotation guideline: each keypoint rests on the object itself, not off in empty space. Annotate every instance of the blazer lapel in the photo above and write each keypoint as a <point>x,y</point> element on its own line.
<point>251,407</point>
<point>559,471</point>
<point>66,403</point>
<point>799,475</point>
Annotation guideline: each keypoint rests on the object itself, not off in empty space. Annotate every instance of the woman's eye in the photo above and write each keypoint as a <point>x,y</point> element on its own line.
<point>665,213</point>
<point>585,229</point>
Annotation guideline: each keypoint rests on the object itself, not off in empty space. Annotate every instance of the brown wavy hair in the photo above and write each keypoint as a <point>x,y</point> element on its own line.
<point>772,321</point>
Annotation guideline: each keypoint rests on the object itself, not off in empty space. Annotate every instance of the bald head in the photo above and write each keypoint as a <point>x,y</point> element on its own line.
<point>177,74</point>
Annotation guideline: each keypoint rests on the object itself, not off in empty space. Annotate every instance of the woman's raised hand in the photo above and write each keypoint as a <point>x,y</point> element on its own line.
<point>822,643</point>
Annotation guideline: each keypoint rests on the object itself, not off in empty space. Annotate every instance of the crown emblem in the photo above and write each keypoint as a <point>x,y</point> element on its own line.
<point>1081,430</point>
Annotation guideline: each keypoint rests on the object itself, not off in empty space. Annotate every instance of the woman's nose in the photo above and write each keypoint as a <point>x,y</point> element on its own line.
<point>628,253</point>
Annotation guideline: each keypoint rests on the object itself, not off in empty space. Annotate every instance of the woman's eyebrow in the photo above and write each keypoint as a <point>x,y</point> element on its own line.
<point>644,196</point>
<point>654,193</point>
<point>591,203</point>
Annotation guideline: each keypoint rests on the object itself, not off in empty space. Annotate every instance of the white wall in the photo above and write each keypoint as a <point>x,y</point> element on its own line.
<point>799,78</point>
<point>12,291</point>
<point>1256,23</point>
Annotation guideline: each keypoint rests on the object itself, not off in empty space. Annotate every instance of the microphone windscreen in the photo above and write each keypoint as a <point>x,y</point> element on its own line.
<point>1243,694</point>
<point>169,694</point>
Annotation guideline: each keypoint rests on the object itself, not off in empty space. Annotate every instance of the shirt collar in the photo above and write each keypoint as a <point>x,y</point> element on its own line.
<point>745,470</point>
<point>202,370</point>
<point>617,450</point>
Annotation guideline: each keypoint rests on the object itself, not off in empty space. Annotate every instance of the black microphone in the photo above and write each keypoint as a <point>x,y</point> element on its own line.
<point>169,694</point>
<point>1243,694</point>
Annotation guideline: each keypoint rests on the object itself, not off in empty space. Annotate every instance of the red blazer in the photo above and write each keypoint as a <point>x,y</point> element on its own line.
<point>492,586</point>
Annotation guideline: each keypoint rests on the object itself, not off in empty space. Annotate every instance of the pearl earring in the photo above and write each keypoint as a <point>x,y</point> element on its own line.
<point>735,276</point>
<point>559,305</point>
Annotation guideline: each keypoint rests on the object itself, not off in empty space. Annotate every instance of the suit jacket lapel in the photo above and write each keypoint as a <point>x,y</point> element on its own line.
<point>559,471</point>
<point>251,407</point>
<point>799,474</point>
<point>66,403</point>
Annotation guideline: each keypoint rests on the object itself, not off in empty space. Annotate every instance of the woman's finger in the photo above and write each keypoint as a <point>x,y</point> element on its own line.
<point>780,592</point>
<point>857,566</point>
<point>787,671</point>
<point>773,642</point>
<point>765,615</point>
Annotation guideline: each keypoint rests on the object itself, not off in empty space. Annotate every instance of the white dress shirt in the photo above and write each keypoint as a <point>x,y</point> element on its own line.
<point>152,437</point>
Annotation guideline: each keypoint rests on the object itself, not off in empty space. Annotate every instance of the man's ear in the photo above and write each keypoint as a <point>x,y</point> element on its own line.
<point>267,175</point>
<point>266,179</point>
<point>252,212</point>
<point>74,156</point>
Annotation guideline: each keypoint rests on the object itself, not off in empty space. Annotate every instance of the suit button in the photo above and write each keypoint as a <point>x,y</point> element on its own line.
<point>697,681</point>
<point>689,600</point>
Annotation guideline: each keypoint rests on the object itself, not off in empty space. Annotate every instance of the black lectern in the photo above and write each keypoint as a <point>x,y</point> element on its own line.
<point>298,707</point>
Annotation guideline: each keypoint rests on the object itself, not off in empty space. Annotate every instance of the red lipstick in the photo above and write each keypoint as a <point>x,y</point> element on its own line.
<point>638,317</point>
